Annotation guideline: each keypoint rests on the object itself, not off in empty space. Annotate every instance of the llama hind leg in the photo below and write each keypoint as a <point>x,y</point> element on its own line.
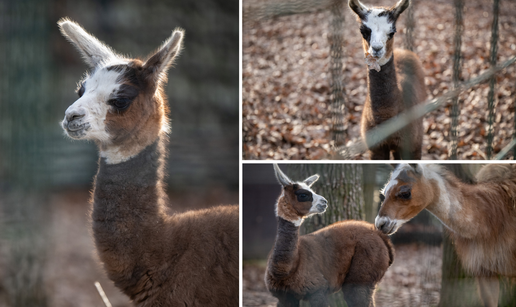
<point>358,295</point>
<point>489,288</point>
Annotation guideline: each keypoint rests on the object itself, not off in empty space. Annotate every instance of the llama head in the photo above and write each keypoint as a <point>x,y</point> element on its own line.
<point>297,200</point>
<point>405,195</point>
<point>121,103</point>
<point>378,26</point>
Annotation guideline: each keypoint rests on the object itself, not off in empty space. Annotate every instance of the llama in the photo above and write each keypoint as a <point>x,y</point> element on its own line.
<point>481,217</point>
<point>395,81</point>
<point>154,257</point>
<point>347,255</point>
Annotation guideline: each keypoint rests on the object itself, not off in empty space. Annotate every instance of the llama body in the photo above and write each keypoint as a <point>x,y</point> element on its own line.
<point>348,255</point>
<point>395,81</point>
<point>481,217</point>
<point>156,258</point>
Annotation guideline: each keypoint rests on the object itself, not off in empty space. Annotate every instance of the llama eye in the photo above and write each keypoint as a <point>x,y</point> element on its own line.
<point>382,197</point>
<point>120,103</point>
<point>391,35</point>
<point>81,90</point>
<point>404,195</point>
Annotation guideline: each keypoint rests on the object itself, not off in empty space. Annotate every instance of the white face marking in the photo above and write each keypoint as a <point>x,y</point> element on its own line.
<point>92,107</point>
<point>380,29</point>
<point>393,181</point>
<point>388,226</point>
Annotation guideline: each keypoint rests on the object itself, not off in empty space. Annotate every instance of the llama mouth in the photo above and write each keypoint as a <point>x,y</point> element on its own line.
<point>76,130</point>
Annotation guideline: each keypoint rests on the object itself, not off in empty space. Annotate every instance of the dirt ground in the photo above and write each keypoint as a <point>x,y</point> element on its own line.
<point>73,266</point>
<point>414,279</point>
<point>286,79</point>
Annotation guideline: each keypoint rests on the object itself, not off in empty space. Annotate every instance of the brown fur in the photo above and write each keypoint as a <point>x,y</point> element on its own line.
<point>481,216</point>
<point>347,255</point>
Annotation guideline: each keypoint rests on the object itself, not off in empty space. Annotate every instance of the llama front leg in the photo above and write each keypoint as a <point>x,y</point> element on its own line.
<point>319,299</point>
<point>287,300</point>
<point>380,153</point>
<point>489,288</point>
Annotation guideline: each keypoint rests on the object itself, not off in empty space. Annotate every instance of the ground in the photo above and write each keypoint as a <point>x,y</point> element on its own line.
<point>286,79</point>
<point>414,279</point>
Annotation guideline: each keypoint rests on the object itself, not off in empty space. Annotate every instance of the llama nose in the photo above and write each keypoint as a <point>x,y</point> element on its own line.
<point>74,115</point>
<point>377,49</point>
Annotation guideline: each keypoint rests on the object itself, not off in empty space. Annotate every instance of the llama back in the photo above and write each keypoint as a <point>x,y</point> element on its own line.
<point>205,272</point>
<point>408,69</point>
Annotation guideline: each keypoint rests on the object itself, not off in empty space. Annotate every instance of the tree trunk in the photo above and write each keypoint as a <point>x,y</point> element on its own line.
<point>341,185</point>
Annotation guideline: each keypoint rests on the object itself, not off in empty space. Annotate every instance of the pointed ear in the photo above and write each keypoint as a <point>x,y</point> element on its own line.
<point>282,178</point>
<point>157,65</point>
<point>359,9</point>
<point>310,180</point>
<point>397,9</point>
<point>92,50</point>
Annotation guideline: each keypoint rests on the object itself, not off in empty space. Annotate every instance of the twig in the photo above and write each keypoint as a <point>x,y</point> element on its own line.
<point>102,294</point>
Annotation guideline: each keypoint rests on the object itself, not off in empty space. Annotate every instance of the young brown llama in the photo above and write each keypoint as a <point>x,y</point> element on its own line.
<point>395,81</point>
<point>347,255</point>
<point>481,217</point>
<point>156,258</point>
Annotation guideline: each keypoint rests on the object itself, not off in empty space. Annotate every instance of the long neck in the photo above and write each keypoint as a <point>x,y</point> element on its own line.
<point>459,206</point>
<point>129,206</point>
<point>383,89</point>
<point>285,255</point>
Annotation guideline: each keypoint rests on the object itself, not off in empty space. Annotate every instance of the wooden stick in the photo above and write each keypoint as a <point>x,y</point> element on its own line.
<point>102,294</point>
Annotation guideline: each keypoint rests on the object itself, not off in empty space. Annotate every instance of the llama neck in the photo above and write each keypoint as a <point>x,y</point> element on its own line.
<point>128,210</point>
<point>383,89</point>
<point>456,204</point>
<point>285,256</point>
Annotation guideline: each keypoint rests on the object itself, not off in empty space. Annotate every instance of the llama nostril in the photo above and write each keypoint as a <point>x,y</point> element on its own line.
<point>377,49</point>
<point>74,115</point>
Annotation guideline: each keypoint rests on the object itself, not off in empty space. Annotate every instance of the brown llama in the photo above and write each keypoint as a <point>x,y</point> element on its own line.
<point>481,217</point>
<point>156,258</point>
<point>395,81</point>
<point>347,255</point>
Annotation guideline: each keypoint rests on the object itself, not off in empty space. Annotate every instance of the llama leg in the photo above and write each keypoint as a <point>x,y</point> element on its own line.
<point>380,153</point>
<point>489,288</point>
<point>319,299</point>
<point>287,300</point>
<point>358,295</point>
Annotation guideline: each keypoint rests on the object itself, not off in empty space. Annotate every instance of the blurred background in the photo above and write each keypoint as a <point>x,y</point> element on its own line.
<point>425,272</point>
<point>46,254</point>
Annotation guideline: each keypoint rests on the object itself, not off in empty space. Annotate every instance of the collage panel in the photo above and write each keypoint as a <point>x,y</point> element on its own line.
<point>119,153</point>
<point>386,79</point>
<point>378,234</point>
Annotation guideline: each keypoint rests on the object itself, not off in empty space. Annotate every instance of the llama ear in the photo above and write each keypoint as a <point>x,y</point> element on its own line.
<point>359,9</point>
<point>157,65</point>
<point>310,180</point>
<point>397,9</point>
<point>282,178</point>
<point>92,50</point>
